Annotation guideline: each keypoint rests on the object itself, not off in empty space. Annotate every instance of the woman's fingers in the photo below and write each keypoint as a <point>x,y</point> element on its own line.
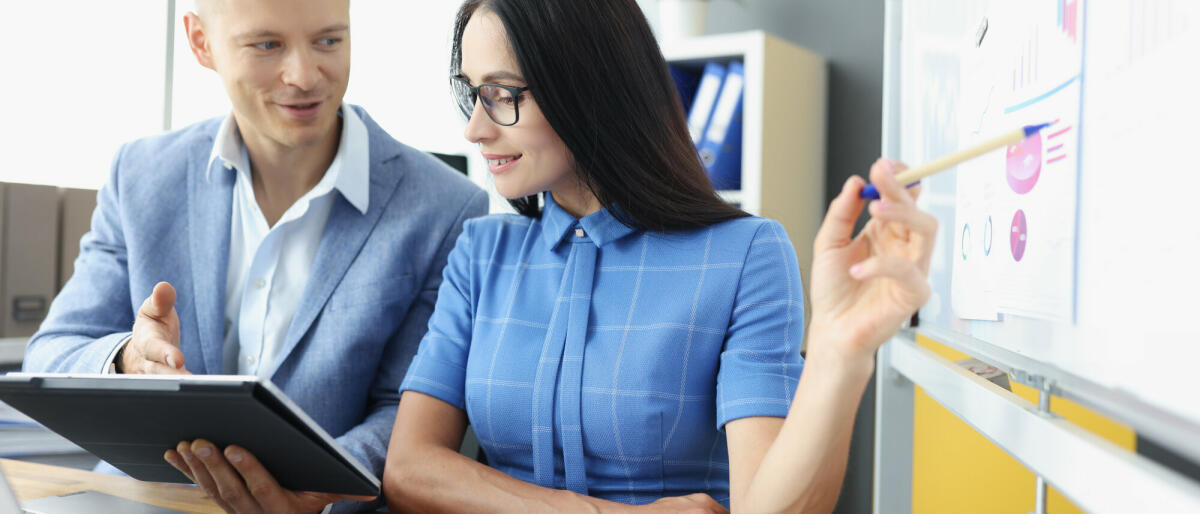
<point>907,215</point>
<point>838,225</point>
<point>905,272</point>
<point>882,174</point>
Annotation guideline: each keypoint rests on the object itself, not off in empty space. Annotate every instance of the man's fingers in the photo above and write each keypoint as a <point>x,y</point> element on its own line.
<point>199,474</point>
<point>838,225</point>
<point>160,304</point>
<point>262,486</point>
<point>230,486</point>
<point>154,368</point>
<point>176,461</point>
<point>158,351</point>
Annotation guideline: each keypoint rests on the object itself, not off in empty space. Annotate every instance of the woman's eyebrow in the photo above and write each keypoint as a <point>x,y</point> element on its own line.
<point>501,75</point>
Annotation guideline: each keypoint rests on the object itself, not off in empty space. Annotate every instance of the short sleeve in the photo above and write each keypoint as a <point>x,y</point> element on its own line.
<point>439,368</point>
<point>760,362</point>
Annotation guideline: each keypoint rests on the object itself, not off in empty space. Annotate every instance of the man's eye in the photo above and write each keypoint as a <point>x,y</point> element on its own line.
<point>268,45</point>
<point>329,41</point>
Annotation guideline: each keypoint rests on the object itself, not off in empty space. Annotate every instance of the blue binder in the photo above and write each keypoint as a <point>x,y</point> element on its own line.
<point>706,98</point>
<point>686,82</point>
<point>721,148</point>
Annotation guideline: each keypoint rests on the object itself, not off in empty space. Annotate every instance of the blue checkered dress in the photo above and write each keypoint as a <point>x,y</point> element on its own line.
<point>594,357</point>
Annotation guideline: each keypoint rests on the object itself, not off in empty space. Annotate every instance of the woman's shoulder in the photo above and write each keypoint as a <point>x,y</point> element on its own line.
<point>500,222</point>
<point>493,232</point>
<point>747,230</point>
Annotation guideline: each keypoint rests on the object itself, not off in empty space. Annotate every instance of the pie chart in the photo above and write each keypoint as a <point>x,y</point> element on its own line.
<point>1019,235</point>
<point>1024,164</point>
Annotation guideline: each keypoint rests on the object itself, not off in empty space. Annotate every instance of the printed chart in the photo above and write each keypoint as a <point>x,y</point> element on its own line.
<point>1025,70</point>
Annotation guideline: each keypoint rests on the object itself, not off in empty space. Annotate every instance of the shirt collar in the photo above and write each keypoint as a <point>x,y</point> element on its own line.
<point>601,226</point>
<point>351,166</point>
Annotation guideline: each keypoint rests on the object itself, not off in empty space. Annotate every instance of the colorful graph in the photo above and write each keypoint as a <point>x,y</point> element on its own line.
<point>1055,152</point>
<point>1024,164</point>
<point>1020,233</point>
<point>987,237</point>
<point>1068,18</point>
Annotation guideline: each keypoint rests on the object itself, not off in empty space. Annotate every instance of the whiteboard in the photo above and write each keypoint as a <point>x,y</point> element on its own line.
<point>1132,321</point>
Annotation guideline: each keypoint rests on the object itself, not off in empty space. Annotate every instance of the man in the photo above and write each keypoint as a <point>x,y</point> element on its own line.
<point>293,239</point>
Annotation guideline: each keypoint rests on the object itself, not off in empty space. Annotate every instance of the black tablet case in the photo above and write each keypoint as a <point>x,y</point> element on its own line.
<point>131,429</point>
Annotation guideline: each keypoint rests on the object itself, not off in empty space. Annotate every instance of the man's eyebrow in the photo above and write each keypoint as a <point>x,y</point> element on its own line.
<point>341,27</point>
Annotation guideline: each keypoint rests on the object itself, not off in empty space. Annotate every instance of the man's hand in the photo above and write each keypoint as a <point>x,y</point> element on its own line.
<point>154,346</point>
<point>237,482</point>
<point>697,503</point>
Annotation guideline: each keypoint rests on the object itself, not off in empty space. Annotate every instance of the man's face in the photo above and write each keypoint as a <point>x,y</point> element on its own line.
<point>285,65</point>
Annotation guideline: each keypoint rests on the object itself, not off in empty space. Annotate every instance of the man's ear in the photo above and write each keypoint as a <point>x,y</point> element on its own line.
<point>198,40</point>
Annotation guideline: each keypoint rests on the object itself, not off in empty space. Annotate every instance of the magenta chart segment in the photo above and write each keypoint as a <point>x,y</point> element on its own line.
<point>1068,18</point>
<point>1019,236</point>
<point>1024,164</point>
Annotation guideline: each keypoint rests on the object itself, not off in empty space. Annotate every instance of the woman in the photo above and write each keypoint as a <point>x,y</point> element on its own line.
<point>634,340</point>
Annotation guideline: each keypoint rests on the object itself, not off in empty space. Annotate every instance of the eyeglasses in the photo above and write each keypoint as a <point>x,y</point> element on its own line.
<point>499,101</point>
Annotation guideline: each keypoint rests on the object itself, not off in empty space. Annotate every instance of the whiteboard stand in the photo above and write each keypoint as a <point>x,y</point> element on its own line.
<point>1095,474</point>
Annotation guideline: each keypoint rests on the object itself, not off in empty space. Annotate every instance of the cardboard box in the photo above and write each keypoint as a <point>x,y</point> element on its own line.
<point>28,257</point>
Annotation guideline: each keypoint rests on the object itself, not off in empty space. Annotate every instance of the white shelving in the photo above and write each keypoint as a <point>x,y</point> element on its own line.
<point>783,128</point>
<point>12,350</point>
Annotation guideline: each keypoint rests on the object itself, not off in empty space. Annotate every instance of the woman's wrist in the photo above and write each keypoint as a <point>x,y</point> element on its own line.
<point>850,358</point>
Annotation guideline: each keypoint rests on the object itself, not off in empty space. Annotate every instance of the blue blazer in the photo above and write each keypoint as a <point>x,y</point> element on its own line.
<point>366,306</point>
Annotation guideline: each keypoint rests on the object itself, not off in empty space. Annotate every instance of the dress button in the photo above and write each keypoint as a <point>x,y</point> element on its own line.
<point>579,232</point>
<point>228,165</point>
<point>250,360</point>
<point>260,283</point>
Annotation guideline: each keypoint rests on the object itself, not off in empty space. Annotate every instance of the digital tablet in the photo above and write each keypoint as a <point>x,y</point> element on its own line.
<point>131,420</point>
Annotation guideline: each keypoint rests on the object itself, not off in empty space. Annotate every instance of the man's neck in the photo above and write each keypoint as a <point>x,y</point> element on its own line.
<point>281,175</point>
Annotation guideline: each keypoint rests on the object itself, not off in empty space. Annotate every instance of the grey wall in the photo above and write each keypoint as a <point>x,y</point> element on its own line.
<point>849,33</point>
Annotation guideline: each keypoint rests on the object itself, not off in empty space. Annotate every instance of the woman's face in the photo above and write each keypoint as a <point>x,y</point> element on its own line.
<point>528,157</point>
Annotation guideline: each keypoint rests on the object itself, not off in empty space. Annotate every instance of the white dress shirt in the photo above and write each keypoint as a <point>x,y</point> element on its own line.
<point>269,266</point>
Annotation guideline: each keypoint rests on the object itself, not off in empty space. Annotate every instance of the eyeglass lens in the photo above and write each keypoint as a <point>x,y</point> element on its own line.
<point>497,102</point>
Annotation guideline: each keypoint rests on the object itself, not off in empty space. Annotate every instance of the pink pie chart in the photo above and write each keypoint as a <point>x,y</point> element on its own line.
<point>1019,235</point>
<point>1024,164</point>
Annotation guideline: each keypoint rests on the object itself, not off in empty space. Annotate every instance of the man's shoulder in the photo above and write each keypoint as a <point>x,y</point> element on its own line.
<point>197,137</point>
<point>421,173</point>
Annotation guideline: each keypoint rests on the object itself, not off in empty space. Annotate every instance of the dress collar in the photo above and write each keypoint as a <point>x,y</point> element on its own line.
<point>601,226</point>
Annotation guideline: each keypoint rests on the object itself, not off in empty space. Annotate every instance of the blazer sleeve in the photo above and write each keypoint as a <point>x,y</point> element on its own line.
<point>92,315</point>
<point>369,440</point>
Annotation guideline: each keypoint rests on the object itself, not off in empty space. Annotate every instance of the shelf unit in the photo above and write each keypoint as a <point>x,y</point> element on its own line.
<point>12,351</point>
<point>783,128</point>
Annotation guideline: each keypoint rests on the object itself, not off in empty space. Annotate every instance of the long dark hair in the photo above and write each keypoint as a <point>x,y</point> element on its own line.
<point>597,74</point>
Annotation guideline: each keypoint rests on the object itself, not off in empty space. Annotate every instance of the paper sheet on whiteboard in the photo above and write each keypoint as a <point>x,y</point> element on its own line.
<point>1015,215</point>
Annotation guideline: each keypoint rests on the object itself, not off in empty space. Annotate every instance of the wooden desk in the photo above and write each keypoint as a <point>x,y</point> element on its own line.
<point>30,481</point>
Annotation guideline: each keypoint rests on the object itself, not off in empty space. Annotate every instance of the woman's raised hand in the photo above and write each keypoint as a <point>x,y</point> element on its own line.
<point>864,287</point>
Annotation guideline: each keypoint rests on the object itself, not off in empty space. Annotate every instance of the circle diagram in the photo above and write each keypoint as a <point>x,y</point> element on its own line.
<point>987,237</point>
<point>1024,164</point>
<point>1019,235</point>
<point>966,240</point>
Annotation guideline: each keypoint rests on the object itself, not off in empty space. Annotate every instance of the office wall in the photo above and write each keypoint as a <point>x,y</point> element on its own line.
<point>849,33</point>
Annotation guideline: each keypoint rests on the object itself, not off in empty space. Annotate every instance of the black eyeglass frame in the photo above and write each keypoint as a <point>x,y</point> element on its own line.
<point>476,97</point>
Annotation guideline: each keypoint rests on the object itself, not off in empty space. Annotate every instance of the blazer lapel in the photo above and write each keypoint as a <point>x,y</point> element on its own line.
<point>210,204</point>
<point>345,234</point>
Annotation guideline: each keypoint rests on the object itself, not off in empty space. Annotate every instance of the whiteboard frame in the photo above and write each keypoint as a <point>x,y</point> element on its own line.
<point>1051,447</point>
<point>1116,479</point>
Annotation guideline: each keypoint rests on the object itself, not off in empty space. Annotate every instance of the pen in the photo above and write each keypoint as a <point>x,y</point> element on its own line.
<point>913,176</point>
